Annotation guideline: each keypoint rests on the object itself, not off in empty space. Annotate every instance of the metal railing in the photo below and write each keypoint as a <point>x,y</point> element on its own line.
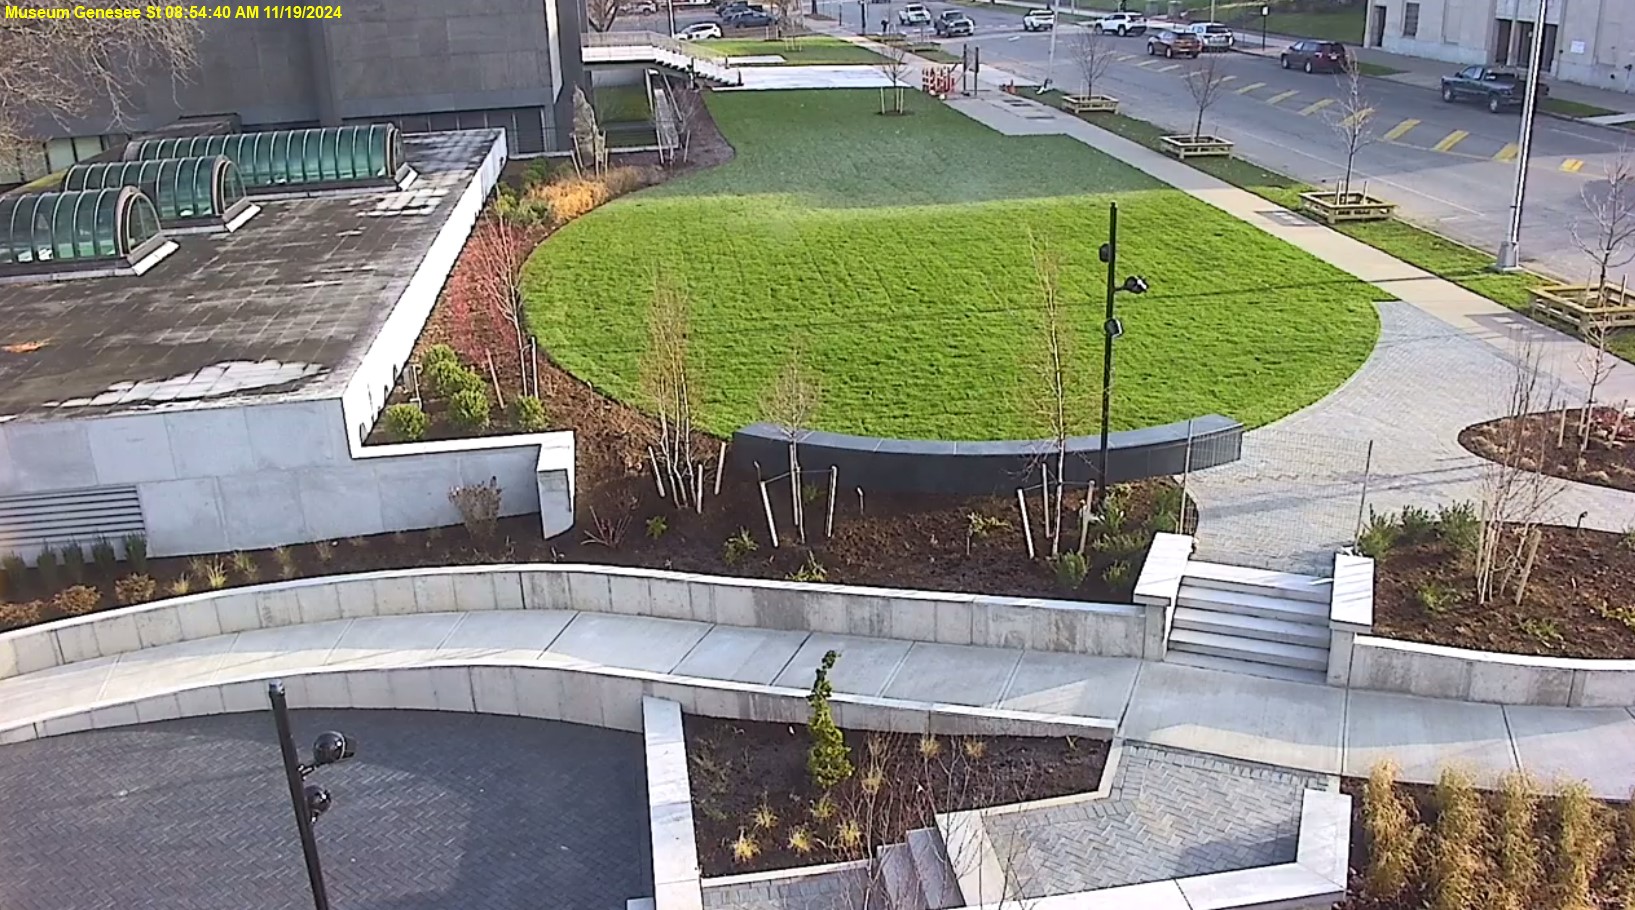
<point>635,38</point>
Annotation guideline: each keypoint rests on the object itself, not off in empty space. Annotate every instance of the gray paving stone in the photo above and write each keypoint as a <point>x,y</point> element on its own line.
<point>846,889</point>
<point>1169,814</point>
<point>437,811</point>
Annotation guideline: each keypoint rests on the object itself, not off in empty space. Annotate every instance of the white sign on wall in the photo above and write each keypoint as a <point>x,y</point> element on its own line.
<point>1577,47</point>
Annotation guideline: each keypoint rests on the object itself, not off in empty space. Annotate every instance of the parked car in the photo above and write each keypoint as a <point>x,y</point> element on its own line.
<point>954,24</point>
<point>751,19</point>
<point>1120,24</point>
<point>1039,20</point>
<point>1499,89</point>
<point>640,7</point>
<point>914,14</point>
<point>699,31</point>
<point>1316,57</point>
<point>1215,36</point>
<point>734,7</point>
<point>1172,43</point>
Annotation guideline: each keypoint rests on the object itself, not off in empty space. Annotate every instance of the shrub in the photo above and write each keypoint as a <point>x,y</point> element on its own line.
<point>621,180</point>
<point>47,565</point>
<point>537,171</point>
<point>810,571</point>
<point>1581,838</point>
<point>406,422</point>
<point>829,760</point>
<point>102,553</point>
<point>14,568</point>
<point>737,547</point>
<point>574,197</point>
<point>1378,536</point>
<point>438,353</point>
<point>1516,845</point>
<point>1070,569</point>
<point>1435,597</point>
<point>1118,575</point>
<point>528,413</point>
<point>134,589</point>
<point>469,409</point>
<point>77,600</point>
<point>72,558</point>
<point>447,378</point>
<point>745,848</point>
<point>479,508</point>
<point>1416,525</point>
<point>15,616</point>
<point>1392,836</point>
<point>1456,877</point>
<point>136,551</point>
<point>1458,527</point>
<point>656,526</point>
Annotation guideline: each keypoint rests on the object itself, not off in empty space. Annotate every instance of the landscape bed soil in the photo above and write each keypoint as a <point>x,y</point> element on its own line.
<point>737,767</point>
<point>1579,600</point>
<point>1608,461</point>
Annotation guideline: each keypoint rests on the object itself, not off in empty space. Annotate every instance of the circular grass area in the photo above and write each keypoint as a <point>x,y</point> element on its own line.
<point>898,254</point>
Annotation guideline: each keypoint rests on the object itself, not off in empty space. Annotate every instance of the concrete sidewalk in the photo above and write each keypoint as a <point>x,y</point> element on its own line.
<point>1309,727</point>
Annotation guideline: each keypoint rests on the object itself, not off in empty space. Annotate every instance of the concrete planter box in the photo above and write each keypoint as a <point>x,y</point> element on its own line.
<point>1089,104</point>
<point>1197,146</point>
<point>1333,207</point>
<point>1581,306</point>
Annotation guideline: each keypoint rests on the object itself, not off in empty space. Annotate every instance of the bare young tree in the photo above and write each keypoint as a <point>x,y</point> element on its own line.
<point>1052,365</point>
<point>790,404</point>
<point>69,67</point>
<point>669,384</point>
<point>1596,365</point>
<point>894,67</point>
<point>683,106</point>
<point>496,252</point>
<point>601,14</point>
<point>589,142</point>
<point>1203,81</point>
<point>1605,235</point>
<point>1515,497</point>
<point>1093,51</point>
<point>789,15</point>
<point>1353,121</point>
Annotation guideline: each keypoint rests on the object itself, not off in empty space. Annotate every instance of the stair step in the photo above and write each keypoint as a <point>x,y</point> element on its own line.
<point>1259,627</point>
<point>1243,604</point>
<point>937,879</point>
<point>1257,581</point>
<point>1253,650</point>
<point>1265,671</point>
<point>902,881</point>
<point>639,903</point>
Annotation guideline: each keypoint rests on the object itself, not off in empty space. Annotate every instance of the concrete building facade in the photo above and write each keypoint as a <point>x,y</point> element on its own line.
<point>425,65</point>
<point>1591,42</point>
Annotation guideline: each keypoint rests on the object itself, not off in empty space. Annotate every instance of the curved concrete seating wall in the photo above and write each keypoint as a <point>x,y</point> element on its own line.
<point>1113,630</point>
<point>1435,671</point>
<point>928,466</point>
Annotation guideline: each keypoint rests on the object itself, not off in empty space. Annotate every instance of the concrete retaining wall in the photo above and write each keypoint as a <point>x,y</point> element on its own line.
<point>928,466</point>
<point>1508,679</point>
<point>1113,630</point>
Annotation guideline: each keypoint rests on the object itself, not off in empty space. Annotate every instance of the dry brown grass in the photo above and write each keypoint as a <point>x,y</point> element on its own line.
<point>1457,861</point>
<point>1515,844</point>
<point>77,600</point>
<point>1623,872</point>
<point>1393,835</point>
<point>135,589</point>
<point>573,197</point>
<point>15,616</point>
<point>1580,843</point>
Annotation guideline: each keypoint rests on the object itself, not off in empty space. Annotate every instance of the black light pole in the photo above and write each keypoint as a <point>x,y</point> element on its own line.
<point>1111,329</point>
<point>309,800</point>
<point>1265,12</point>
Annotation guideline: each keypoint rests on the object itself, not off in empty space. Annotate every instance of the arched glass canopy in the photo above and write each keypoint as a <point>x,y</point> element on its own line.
<point>291,158</point>
<point>89,225</point>
<point>182,189</point>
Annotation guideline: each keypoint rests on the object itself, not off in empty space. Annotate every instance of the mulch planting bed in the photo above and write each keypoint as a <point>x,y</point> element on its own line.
<point>1579,600</point>
<point>750,786</point>
<point>1608,460</point>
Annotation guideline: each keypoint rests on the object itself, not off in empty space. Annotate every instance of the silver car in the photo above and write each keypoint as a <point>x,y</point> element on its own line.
<point>1215,36</point>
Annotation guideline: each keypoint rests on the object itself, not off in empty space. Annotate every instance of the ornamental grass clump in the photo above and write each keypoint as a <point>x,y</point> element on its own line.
<point>1393,836</point>
<point>1457,857</point>
<point>1580,842</point>
<point>1515,845</point>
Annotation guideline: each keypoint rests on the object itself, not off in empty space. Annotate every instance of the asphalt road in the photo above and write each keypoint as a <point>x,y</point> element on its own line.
<point>1448,166</point>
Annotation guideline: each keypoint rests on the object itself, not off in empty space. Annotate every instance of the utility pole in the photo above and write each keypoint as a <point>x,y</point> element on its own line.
<point>1050,67</point>
<point>1510,249</point>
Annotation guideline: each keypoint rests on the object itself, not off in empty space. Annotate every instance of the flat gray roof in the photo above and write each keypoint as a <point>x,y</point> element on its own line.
<point>283,307</point>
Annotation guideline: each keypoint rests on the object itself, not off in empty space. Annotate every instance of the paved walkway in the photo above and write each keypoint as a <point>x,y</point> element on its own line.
<point>1309,727</point>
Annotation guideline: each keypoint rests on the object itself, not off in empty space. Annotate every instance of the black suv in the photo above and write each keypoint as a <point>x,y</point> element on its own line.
<point>1316,57</point>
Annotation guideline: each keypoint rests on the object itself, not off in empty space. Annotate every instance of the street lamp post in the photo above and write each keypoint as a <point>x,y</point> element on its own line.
<point>1510,249</point>
<point>309,800</point>
<point>1265,13</point>
<point>1111,329</point>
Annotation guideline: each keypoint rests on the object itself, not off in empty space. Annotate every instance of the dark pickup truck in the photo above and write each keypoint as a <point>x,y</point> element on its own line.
<point>1499,89</point>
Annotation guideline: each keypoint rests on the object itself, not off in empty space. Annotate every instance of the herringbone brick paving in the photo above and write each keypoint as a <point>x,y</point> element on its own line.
<point>437,812</point>
<point>1169,814</point>
<point>845,889</point>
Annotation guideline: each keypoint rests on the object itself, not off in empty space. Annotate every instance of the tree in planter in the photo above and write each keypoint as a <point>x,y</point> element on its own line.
<point>601,14</point>
<point>589,141</point>
<point>1093,52</point>
<point>790,404</point>
<point>1596,364</point>
<point>1204,84</point>
<point>788,14</point>
<point>1352,120</point>
<point>1610,225</point>
<point>829,760</point>
<point>495,254</point>
<point>668,383</point>
<point>1514,496</point>
<point>895,68</point>
<point>1049,389</point>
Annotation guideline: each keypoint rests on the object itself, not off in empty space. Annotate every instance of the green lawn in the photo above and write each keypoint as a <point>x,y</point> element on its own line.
<point>1375,69</point>
<point>804,51</point>
<point>622,104</point>
<point>1345,25</point>
<point>1573,108</point>
<point>896,252</point>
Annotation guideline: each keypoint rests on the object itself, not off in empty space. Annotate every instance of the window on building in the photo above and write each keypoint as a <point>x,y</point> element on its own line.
<point>1410,20</point>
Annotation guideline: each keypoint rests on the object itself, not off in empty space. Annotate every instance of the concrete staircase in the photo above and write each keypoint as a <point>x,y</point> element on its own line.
<point>1272,624</point>
<point>916,874</point>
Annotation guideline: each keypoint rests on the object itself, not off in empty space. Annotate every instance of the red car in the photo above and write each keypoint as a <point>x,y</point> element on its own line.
<point>1316,57</point>
<point>1171,43</point>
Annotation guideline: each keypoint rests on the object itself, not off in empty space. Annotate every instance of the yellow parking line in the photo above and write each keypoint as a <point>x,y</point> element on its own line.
<point>1572,165</point>
<point>1281,97</point>
<point>1450,140</point>
<point>1400,130</point>
<point>1315,106</point>
<point>1169,69</point>
<point>1254,85</point>
<point>1358,117</point>
<point>1508,153</point>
